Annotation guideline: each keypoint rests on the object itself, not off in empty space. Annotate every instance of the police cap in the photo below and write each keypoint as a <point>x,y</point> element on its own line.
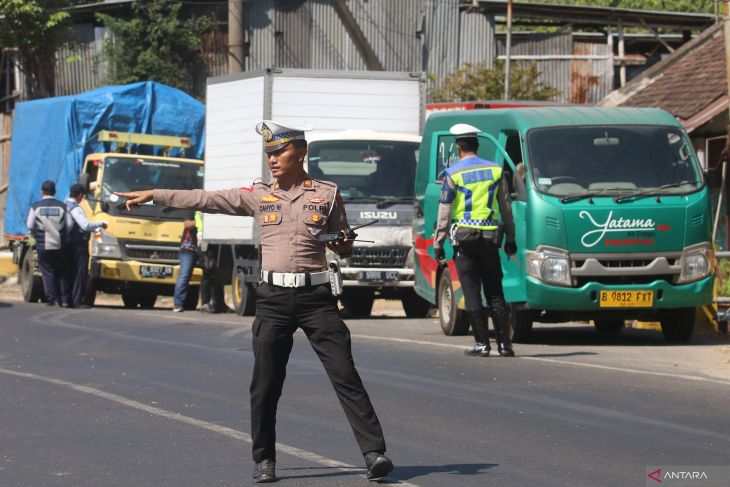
<point>464,131</point>
<point>276,135</point>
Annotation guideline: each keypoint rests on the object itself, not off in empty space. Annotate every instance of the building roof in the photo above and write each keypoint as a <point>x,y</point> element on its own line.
<point>691,83</point>
<point>584,15</point>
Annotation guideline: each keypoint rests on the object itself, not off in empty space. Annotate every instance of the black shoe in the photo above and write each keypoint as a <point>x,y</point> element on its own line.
<point>479,350</point>
<point>264,472</point>
<point>378,465</point>
<point>506,353</point>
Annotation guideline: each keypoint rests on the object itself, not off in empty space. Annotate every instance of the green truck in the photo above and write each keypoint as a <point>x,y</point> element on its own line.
<point>611,210</point>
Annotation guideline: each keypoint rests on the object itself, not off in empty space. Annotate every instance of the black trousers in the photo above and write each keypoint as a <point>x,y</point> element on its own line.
<point>279,312</point>
<point>77,271</point>
<point>52,267</point>
<point>479,266</point>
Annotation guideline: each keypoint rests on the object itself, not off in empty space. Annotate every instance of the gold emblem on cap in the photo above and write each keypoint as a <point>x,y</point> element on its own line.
<point>266,133</point>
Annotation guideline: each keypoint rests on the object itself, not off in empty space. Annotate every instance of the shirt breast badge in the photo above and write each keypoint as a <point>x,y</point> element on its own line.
<point>269,198</point>
<point>316,218</point>
<point>316,200</point>
<point>270,218</point>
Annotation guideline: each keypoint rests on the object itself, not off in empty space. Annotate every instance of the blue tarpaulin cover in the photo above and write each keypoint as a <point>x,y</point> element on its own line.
<point>52,136</point>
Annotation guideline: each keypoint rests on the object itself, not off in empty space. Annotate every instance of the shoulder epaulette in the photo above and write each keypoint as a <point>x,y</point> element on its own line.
<point>326,183</point>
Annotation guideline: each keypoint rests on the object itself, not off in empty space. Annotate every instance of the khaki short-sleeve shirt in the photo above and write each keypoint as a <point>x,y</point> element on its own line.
<point>288,222</point>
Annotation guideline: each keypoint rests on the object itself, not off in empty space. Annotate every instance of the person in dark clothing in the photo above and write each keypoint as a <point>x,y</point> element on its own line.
<point>295,292</point>
<point>188,257</point>
<point>474,209</point>
<point>49,222</point>
<point>77,247</point>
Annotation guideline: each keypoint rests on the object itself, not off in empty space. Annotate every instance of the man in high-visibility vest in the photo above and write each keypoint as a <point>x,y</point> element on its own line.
<point>474,210</point>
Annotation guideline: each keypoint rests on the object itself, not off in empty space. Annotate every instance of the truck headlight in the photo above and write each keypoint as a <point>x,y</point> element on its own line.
<point>697,262</point>
<point>549,264</point>
<point>105,246</point>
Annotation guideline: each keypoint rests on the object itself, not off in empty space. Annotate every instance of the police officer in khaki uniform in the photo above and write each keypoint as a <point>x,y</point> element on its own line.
<point>475,209</point>
<point>290,213</point>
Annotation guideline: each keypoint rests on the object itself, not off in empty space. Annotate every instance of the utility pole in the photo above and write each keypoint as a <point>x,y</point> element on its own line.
<point>508,47</point>
<point>235,36</point>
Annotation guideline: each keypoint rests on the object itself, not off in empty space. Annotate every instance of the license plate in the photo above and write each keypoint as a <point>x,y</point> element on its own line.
<point>159,271</point>
<point>377,276</point>
<point>626,299</point>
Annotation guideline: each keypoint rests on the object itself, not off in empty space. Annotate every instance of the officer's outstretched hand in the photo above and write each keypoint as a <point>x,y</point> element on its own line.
<point>136,198</point>
<point>510,248</point>
<point>439,254</point>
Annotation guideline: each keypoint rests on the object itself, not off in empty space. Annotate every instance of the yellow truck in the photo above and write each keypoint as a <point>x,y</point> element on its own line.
<point>137,254</point>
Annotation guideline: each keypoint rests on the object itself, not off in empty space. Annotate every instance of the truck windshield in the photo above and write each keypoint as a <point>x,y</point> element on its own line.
<point>366,170</point>
<point>138,172</point>
<point>612,160</point>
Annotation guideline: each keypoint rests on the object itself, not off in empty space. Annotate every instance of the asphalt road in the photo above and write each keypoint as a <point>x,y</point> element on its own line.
<point>114,397</point>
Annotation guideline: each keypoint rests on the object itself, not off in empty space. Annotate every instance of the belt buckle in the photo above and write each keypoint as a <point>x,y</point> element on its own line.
<point>290,279</point>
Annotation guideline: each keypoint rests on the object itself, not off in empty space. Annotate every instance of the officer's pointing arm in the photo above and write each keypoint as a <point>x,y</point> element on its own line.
<point>226,201</point>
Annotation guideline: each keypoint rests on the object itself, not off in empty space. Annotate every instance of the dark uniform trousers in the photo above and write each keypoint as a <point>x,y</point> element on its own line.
<point>77,262</point>
<point>52,267</point>
<point>478,264</point>
<point>279,312</point>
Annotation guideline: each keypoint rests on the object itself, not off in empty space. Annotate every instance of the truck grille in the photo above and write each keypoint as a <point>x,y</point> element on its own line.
<point>618,269</point>
<point>152,253</point>
<point>379,257</point>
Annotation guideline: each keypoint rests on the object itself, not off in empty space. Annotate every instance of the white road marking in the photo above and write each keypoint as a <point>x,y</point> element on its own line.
<point>215,428</point>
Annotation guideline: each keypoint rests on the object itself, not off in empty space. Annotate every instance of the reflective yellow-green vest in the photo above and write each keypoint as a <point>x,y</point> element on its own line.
<point>475,202</point>
<point>199,221</point>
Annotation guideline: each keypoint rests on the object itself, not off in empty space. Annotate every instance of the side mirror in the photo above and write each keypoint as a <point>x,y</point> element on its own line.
<point>84,181</point>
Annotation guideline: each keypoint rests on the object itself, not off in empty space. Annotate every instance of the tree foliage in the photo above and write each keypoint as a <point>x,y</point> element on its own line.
<point>156,44</point>
<point>473,82</point>
<point>34,30</point>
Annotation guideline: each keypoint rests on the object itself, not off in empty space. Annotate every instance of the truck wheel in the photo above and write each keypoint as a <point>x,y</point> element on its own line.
<point>147,301</point>
<point>30,284</point>
<point>242,295</point>
<point>453,320</point>
<point>90,292</point>
<point>609,327</point>
<point>521,321</point>
<point>413,304</point>
<point>358,301</point>
<point>191,298</point>
<point>130,299</point>
<point>678,324</point>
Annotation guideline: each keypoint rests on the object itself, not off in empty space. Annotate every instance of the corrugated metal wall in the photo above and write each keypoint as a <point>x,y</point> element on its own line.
<point>435,36</point>
<point>553,72</point>
<point>591,80</point>
<point>578,80</point>
<point>407,35</point>
<point>75,62</point>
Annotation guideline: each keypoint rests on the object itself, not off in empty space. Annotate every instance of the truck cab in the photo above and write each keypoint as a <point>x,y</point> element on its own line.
<point>611,212</point>
<point>374,172</point>
<point>137,255</point>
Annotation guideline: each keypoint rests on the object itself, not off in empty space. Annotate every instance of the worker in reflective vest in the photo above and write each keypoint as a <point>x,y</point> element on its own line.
<point>475,212</point>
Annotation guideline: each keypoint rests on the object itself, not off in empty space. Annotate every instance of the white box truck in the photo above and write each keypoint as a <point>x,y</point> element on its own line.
<point>367,126</point>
